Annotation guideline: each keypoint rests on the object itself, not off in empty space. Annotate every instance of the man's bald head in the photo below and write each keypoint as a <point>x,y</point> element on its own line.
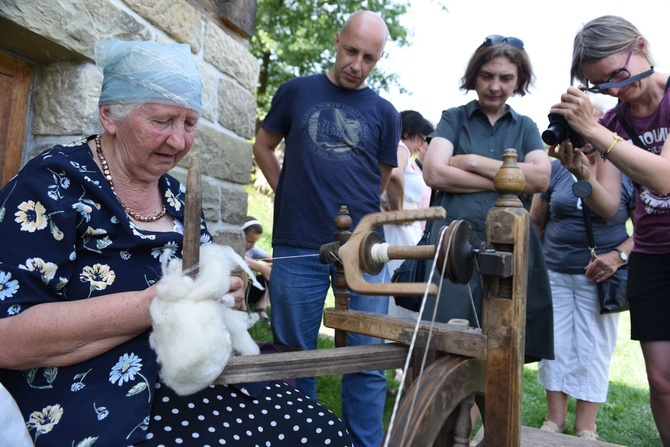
<point>359,45</point>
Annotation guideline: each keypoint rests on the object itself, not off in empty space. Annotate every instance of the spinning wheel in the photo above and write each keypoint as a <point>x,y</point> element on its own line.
<point>436,410</point>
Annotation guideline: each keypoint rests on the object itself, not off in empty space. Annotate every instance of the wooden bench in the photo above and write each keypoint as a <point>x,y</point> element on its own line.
<point>534,437</point>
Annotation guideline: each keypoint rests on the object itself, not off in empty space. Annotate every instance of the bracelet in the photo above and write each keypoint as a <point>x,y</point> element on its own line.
<point>617,138</point>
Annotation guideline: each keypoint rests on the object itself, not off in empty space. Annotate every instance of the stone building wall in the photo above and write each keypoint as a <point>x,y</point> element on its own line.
<point>58,37</point>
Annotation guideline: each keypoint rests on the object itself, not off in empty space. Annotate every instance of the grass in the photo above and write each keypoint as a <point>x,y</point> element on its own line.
<point>625,418</point>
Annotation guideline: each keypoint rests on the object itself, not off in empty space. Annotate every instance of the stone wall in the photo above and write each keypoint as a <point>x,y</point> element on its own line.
<point>58,38</point>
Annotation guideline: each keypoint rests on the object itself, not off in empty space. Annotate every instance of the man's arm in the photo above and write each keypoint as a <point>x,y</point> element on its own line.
<point>386,174</point>
<point>266,159</point>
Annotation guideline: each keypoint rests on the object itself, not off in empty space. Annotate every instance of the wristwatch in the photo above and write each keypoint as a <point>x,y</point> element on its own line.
<point>622,255</point>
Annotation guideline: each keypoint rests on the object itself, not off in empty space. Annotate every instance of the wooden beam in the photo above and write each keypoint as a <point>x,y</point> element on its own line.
<point>239,15</point>
<point>452,338</point>
<point>320,362</point>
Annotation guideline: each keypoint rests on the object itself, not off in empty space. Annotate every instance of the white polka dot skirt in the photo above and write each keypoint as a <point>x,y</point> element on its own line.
<point>279,415</point>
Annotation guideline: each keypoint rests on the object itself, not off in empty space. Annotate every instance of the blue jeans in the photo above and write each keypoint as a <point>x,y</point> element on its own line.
<point>298,292</point>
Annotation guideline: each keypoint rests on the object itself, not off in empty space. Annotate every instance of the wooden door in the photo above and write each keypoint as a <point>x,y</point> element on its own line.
<point>15,79</point>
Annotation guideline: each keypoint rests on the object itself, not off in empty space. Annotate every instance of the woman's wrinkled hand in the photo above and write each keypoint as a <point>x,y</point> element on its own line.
<point>237,291</point>
<point>573,159</point>
<point>602,267</point>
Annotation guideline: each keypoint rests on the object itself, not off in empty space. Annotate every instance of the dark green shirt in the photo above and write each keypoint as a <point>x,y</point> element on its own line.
<point>477,136</point>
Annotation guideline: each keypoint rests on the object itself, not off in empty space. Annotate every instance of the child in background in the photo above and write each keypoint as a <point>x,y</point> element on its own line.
<point>259,261</point>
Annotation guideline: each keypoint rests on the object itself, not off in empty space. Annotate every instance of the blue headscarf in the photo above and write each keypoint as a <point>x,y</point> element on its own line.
<point>140,72</point>
<point>148,72</point>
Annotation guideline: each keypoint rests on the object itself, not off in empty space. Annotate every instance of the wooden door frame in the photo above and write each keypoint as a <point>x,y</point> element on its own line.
<point>15,78</point>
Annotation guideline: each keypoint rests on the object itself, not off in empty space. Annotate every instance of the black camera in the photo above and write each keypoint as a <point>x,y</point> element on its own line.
<point>559,130</point>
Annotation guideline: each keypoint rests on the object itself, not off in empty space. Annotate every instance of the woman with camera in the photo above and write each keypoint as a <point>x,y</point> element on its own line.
<point>584,340</point>
<point>464,155</point>
<point>611,56</point>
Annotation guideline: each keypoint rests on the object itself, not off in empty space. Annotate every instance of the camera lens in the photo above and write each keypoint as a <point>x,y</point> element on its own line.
<point>554,134</point>
<point>557,130</point>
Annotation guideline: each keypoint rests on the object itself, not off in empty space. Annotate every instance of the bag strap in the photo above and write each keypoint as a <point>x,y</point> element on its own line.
<point>627,127</point>
<point>589,230</point>
<point>582,189</point>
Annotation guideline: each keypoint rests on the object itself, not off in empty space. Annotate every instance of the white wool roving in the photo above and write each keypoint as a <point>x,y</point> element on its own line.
<point>195,329</point>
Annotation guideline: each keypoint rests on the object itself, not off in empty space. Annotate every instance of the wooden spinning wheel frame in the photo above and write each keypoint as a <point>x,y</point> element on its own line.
<point>467,365</point>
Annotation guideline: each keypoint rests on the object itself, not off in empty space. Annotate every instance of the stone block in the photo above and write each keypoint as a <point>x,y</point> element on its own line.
<point>210,81</point>
<point>232,237</point>
<point>65,99</point>
<point>237,108</point>
<point>177,18</point>
<point>211,200</point>
<point>74,24</point>
<point>240,15</point>
<point>231,57</point>
<point>221,155</point>
<point>233,203</point>
<point>223,203</point>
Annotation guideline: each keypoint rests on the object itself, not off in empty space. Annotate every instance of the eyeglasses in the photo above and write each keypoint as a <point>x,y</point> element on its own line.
<point>496,39</point>
<point>620,78</point>
<point>422,138</point>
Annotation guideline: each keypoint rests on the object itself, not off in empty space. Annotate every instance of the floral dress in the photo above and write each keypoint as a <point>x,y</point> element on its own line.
<point>65,238</point>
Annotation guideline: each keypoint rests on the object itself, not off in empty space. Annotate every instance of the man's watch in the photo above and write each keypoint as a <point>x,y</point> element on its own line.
<point>622,255</point>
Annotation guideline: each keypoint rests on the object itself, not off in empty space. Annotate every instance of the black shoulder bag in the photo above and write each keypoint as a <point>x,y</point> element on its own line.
<point>612,291</point>
<point>415,270</point>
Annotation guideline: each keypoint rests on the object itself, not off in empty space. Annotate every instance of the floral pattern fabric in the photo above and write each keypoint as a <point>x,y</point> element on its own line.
<point>65,238</point>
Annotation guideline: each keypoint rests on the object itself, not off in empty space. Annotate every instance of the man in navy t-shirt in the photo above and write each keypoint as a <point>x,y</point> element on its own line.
<point>341,145</point>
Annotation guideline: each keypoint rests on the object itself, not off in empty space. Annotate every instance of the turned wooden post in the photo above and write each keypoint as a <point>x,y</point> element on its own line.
<point>340,290</point>
<point>192,213</point>
<point>504,309</point>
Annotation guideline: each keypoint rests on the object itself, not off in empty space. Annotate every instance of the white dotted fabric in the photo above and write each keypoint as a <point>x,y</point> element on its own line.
<point>226,416</point>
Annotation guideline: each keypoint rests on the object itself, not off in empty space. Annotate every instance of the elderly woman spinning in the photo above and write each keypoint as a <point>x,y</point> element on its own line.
<point>90,223</point>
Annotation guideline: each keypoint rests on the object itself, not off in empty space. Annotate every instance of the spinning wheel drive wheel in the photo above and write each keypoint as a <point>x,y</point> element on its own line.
<point>457,248</point>
<point>441,413</point>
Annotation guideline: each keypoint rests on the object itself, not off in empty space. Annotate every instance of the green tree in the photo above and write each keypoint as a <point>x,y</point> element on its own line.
<point>296,38</point>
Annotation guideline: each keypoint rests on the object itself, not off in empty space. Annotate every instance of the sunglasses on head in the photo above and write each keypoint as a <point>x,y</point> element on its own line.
<point>496,39</point>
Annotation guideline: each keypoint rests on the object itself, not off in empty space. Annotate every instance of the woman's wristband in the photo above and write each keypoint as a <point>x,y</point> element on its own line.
<point>617,138</point>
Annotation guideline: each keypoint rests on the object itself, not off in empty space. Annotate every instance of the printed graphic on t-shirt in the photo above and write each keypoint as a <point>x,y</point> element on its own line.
<point>334,131</point>
<point>654,139</point>
<point>654,203</point>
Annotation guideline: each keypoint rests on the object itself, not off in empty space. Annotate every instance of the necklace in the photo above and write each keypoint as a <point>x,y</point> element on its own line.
<point>108,177</point>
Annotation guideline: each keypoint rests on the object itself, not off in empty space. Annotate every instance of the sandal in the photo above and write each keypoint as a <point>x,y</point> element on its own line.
<point>261,313</point>
<point>587,434</point>
<point>553,427</point>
